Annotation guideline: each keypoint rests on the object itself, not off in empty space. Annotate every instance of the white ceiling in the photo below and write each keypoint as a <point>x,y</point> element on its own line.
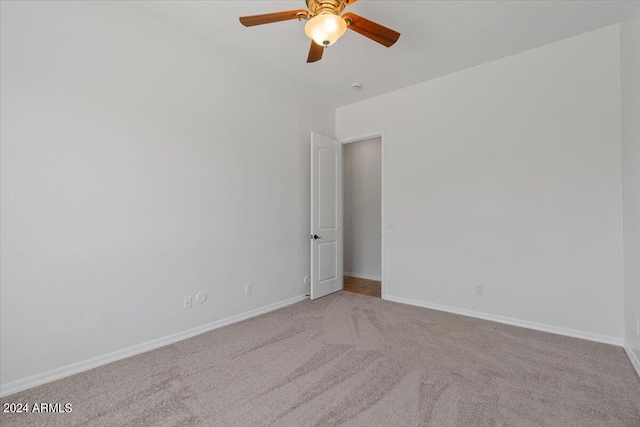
<point>438,38</point>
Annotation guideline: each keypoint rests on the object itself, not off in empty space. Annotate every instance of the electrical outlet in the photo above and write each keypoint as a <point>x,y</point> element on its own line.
<point>479,290</point>
<point>188,302</point>
<point>247,289</point>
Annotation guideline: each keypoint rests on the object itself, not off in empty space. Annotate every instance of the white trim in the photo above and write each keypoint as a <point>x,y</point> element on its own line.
<point>514,322</point>
<point>362,276</point>
<point>383,202</point>
<point>632,357</point>
<point>85,365</point>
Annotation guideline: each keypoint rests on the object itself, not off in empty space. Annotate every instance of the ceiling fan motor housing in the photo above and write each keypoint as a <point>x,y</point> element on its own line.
<point>318,7</point>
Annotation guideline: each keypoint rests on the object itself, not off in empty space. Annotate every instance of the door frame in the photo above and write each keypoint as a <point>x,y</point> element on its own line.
<point>383,203</point>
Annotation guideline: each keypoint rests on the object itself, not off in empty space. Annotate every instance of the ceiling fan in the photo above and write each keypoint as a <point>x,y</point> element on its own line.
<point>325,25</point>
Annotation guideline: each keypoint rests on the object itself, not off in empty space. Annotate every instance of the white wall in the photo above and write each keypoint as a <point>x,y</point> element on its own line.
<point>508,175</point>
<point>139,166</point>
<point>362,208</point>
<point>630,70</point>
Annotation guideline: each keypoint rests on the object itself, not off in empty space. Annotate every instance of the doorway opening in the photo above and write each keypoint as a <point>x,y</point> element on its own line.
<point>362,213</point>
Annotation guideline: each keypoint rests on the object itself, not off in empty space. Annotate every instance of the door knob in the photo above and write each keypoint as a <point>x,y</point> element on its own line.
<point>315,236</point>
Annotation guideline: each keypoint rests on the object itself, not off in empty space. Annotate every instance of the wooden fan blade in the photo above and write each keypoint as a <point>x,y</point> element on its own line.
<point>376,32</point>
<point>315,52</point>
<point>250,21</point>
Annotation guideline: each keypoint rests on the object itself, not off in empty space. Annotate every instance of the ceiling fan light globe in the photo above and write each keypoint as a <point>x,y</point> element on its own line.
<point>325,29</point>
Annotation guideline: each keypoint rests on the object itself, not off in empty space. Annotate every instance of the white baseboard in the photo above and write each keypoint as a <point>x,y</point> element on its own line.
<point>75,368</point>
<point>632,357</point>
<point>362,276</point>
<point>510,321</point>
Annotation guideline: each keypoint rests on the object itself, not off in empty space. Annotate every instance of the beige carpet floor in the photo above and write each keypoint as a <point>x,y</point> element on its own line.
<point>359,361</point>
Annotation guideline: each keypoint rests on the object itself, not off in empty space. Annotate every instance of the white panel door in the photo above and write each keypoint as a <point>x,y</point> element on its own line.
<point>326,216</point>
